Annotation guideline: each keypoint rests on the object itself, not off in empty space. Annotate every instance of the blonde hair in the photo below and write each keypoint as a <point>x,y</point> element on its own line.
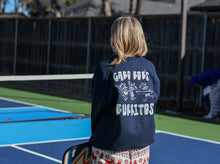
<point>127,39</point>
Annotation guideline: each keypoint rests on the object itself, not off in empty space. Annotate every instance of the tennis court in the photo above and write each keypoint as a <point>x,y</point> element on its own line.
<point>40,135</point>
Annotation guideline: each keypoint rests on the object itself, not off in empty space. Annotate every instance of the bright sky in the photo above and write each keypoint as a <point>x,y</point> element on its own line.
<point>10,6</point>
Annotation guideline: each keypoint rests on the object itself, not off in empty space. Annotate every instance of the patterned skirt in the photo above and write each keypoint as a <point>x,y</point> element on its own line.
<point>215,100</point>
<point>134,156</point>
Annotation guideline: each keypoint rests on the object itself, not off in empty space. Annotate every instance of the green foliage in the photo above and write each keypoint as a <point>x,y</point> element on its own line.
<point>71,2</point>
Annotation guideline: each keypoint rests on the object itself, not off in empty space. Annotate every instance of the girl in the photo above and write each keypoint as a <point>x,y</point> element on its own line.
<point>125,90</point>
<point>209,78</point>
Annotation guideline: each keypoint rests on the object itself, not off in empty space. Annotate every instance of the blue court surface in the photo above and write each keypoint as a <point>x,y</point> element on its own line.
<point>27,136</point>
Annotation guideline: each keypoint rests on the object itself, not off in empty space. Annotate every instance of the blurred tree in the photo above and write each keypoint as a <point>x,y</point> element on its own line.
<point>70,2</point>
<point>135,7</point>
<point>16,6</point>
<point>3,5</point>
<point>139,7</point>
<point>106,8</point>
<point>24,4</point>
<point>45,8</point>
<point>132,7</point>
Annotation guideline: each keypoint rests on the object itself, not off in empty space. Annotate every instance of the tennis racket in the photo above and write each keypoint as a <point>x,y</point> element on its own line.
<point>78,154</point>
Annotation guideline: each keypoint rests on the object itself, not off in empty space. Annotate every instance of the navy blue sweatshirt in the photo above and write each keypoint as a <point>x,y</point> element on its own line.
<point>124,100</point>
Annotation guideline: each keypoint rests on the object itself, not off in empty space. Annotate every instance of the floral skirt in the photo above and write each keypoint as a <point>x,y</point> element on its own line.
<point>134,156</point>
<point>215,100</point>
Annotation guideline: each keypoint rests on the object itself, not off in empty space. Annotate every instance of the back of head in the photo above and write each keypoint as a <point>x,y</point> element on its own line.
<point>127,39</point>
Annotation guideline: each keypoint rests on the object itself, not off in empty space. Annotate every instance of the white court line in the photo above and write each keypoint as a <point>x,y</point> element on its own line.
<point>37,105</point>
<point>12,108</point>
<point>37,154</point>
<point>42,142</point>
<point>157,131</point>
<point>189,137</point>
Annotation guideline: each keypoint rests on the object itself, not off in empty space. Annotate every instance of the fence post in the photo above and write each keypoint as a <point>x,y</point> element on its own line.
<point>203,52</point>
<point>49,46</point>
<point>65,33</point>
<point>182,54</point>
<point>15,47</point>
<point>88,51</point>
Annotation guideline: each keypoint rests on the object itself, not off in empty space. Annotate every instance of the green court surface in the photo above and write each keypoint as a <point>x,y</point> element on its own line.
<point>171,124</point>
<point>188,127</point>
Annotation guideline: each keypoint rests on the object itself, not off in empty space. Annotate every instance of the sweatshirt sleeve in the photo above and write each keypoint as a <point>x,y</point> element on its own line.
<point>156,82</point>
<point>98,94</point>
